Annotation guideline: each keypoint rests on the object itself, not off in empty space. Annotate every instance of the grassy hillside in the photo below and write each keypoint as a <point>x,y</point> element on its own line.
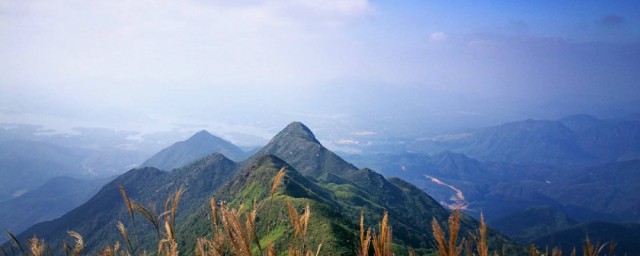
<point>98,217</point>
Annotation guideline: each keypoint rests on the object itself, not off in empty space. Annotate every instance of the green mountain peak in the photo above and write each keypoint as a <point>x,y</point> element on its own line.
<point>296,130</point>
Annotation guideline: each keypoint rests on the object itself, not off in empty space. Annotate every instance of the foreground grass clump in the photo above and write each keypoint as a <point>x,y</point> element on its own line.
<point>235,231</point>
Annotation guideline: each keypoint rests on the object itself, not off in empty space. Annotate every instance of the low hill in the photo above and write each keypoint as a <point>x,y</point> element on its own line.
<point>610,189</point>
<point>533,222</point>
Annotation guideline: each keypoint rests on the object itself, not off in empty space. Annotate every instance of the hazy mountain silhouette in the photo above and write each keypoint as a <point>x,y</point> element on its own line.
<point>54,198</point>
<point>197,146</point>
<point>26,165</point>
<point>579,140</point>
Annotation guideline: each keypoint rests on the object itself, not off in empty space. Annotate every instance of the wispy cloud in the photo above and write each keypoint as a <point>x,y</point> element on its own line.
<point>612,20</point>
<point>438,37</point>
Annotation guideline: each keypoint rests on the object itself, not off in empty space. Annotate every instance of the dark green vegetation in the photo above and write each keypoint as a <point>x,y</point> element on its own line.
<point>199,145</point>
<point>336,191</point>
<point>548,227</point>
<point>533,222</point>
<point>362,188</point>
<point>56,197</point>
<point>623,235</point>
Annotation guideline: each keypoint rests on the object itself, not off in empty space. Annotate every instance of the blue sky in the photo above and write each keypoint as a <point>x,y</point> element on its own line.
<point>253,66</point>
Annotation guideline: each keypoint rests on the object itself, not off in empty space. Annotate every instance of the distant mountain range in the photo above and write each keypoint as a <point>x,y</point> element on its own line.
<point>336,190</point>
<point>49,201</point>
<point>607,191</point>
<point>28,164</point>
<point>41,181</point>
<point>573,170</point>
<point>536,180</point>
<point>197,146</point>
<point>573,140</point>
<point>25,165</point>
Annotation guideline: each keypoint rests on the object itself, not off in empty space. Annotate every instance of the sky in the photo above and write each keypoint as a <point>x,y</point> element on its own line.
<point>244,69</point>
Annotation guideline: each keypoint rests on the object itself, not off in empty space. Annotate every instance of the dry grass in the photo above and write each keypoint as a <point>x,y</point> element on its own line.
<point>365,239</point>
<point>112,251</point>
<point>444,246</point>
<point>233,232</point>
<point>79,246</point>
<point>148,215</point>
<point>125,235</point>
<point>481,240</point>
<point>590,249</point>
<point>127,203</point>
<point>36,246</point>
<point>382,241</point>
<point>16,243</point>
<point>276,180</point>
<point>168,244</point>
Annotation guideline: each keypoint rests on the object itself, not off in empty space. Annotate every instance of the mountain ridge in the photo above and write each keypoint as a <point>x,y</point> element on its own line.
<point>96,219</point>
<point>336,190</point>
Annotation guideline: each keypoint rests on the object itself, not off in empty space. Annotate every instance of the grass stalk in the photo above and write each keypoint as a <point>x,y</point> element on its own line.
<point>382,241</point>
<point>79,243</point>
<point>36,246</point>
<point>125,235</point>
<point>444,246</point>
<point>481,243</point>
<point>15,243</point>
<point>365,238</point>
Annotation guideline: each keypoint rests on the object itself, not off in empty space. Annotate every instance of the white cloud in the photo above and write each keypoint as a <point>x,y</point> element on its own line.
<point>347,142</point>
<point>364,133</point>
<point>334,8</point>
<point>438,37</point>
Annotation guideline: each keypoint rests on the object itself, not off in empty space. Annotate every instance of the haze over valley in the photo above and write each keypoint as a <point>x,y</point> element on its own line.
<point>523,116</point>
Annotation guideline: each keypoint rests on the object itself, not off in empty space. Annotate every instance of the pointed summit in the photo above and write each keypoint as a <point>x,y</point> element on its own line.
<point>203,134</point>
<point>297,145</point>
<point>296,130</point>
<point>197,146</point>
<point>204,137</point>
